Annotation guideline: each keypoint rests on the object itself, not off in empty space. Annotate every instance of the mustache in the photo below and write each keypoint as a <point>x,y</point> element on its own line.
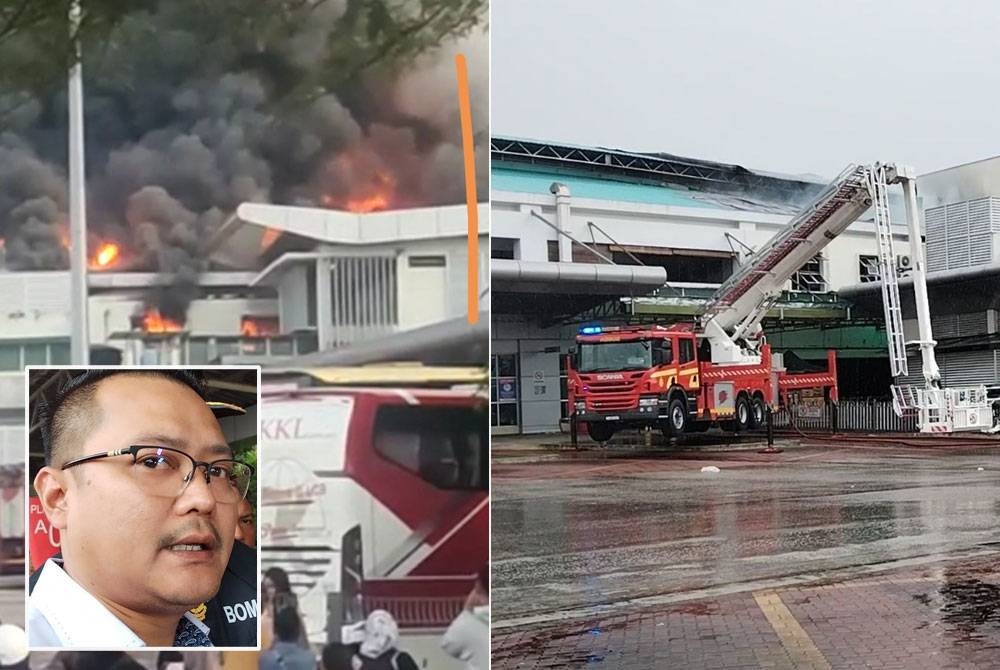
<point>176,536</point>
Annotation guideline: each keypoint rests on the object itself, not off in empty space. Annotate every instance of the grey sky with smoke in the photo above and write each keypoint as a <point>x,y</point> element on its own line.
<point>172,150</point>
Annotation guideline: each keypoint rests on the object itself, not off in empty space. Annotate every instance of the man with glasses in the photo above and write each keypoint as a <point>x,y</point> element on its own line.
<point>143,488</point>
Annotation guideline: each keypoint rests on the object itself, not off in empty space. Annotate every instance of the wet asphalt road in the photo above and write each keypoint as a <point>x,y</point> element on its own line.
<point>575,538</point>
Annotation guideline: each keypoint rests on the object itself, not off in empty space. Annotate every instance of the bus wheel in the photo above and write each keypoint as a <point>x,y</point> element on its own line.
<point>743,413</point>
<point>758,411</point>
<point>601,432</point>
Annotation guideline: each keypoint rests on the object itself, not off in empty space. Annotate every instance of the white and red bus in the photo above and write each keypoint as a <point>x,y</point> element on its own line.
<point>374,495</point>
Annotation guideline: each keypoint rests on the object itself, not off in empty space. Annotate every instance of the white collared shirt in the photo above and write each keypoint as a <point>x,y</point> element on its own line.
<point>61,613</point>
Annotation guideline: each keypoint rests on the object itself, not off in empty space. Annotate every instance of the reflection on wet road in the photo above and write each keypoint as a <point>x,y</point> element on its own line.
<point>575,539</point>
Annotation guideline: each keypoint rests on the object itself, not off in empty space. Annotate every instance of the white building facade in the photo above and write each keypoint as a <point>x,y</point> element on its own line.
<point>694,219</point>
<point>330,279</point>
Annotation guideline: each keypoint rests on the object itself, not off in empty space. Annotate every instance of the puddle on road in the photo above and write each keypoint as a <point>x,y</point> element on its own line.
<point>968,610</point>
<point>969,605</point>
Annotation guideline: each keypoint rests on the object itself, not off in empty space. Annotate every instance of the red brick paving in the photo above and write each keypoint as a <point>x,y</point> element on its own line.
<point>940,617</point>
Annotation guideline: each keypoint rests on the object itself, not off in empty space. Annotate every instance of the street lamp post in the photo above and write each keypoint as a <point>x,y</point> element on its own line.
<point>79,345</point>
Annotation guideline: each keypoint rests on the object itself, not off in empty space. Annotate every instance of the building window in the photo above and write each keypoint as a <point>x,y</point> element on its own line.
<point>685,350</point>
<point>226,346</point>
<point>504,388</point>
<point>553,251</point>
<point>363,290</point>
<point>197,351</point>
<point>311,294</point>
<point>809,278</point>
<point>682,265</point>
<point>36,353</point>
<point>15,355</point>
<point>427,261</point>
<point>503,247</point>
<point>563,387</point>
<point>868,269</point>
<point>59,353</point>
<point>446,446</point>
<point>10,357</point>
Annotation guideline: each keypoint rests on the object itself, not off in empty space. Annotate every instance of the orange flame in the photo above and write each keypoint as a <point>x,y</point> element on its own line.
<point>106,256</point>
<point>370,186</point>
<point>259,326</point>
<point>373,203</point>
<point>378,195</point>
<point>154,322</point>
<point>271,236</point>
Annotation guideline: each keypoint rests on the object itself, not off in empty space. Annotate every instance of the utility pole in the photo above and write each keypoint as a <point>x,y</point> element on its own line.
<point>79,335</point>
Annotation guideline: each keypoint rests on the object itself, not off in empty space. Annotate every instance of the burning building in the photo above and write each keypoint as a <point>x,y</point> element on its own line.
<point>281,281</point>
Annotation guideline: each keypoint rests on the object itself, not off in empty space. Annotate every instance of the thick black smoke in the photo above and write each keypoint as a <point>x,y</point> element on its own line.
<point>175,144</point>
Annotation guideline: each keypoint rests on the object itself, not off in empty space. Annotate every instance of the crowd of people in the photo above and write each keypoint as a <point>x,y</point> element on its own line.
<point>379,647</point>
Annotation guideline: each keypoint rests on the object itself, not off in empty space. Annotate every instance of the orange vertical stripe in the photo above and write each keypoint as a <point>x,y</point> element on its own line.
<point>465,112</point>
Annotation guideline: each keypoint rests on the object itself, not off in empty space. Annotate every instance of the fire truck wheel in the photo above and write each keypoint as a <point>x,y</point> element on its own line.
<point>743,413</point>
<point>677,418</point>
<point>758,416</point>
<point>600,432</point>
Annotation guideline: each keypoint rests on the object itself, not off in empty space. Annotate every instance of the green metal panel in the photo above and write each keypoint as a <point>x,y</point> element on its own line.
<point>850,341</point>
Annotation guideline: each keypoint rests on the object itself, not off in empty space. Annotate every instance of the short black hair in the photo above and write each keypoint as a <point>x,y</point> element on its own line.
<point>286,624</point>
<point>337,656</point>
<point>279,578</point>
<point>72,410</point>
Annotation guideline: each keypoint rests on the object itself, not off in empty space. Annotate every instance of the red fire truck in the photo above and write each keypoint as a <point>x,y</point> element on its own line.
<point>684,377</point>
<point>721,369</point>
<point>653,375</point>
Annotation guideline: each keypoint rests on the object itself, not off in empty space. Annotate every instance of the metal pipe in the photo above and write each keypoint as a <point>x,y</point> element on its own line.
<point>564,234</point>
<point>592,225</point>
<point>79,337</point>
<point>561,191</point>
<point>932,374</point>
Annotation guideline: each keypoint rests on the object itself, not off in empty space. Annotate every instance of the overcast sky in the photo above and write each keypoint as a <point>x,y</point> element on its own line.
<point>781,85</point>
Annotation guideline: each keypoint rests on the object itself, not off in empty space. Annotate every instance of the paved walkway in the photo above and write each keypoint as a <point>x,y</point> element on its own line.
<point>938,616</point>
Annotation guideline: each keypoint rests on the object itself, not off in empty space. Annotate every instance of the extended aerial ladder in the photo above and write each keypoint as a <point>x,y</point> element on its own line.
<point>731,321</point>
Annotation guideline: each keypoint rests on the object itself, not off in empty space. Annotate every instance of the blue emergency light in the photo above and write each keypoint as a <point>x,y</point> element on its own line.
<point>591,330</point>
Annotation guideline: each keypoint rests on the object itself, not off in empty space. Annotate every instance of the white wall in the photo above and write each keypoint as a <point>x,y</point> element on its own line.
<point>11,444</point>
<point>11,390</point>
<point>429,295</point>
<point>960,183</point>
<point>34,305</point>
<point>293,295</point>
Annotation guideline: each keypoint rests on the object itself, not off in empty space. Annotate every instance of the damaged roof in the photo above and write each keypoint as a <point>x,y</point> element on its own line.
<point>656,178</point>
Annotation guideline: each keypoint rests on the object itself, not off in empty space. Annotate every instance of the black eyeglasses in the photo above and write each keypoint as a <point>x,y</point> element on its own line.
<point>166,472</point>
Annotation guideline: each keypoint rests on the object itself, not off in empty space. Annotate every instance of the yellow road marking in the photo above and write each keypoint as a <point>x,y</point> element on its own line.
<point>796,641</point>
